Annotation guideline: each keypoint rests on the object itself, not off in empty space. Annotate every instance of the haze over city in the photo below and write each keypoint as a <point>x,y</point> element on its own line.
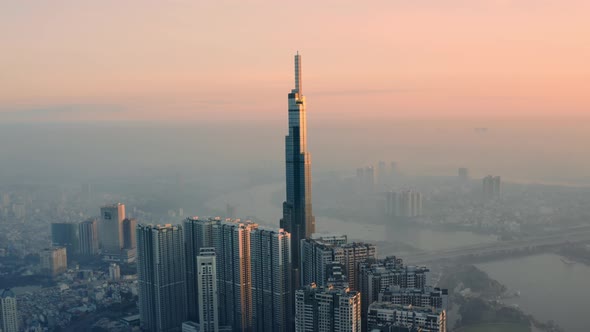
<point>445,144</point>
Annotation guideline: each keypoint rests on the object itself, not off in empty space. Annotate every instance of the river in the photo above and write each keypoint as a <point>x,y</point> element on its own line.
<point>550,289</point>
<point>259,201</point>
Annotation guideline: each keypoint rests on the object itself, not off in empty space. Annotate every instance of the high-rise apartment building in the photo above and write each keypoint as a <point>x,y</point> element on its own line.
<point>298,217</point>
<point>198,233</point>
<point>272,295</point>
<point>384,316</point>
<point>327,309</point>
<point>66,235</point>
<point>161,277</point>
<point>319,253</point>
<point>491,187</point>
<point>88,235</point>
<point>111,230</point>
<point>207,290</point>
<point>231,240</point>
<point>376,276</point>
<point>53,261</point>
<point>8,311</point>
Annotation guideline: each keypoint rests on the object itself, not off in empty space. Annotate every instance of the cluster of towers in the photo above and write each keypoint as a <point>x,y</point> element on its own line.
<point>214,274</point>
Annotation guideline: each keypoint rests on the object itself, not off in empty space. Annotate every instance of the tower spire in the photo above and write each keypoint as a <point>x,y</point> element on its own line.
<point>298,74</point>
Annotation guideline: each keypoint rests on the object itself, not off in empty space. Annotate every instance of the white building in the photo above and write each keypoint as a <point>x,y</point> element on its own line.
<point>207,290</point>
<point>8,312</point>
<point>114,272</point>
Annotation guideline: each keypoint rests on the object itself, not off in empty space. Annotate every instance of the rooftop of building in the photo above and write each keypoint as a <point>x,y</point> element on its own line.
<point>7,293</point>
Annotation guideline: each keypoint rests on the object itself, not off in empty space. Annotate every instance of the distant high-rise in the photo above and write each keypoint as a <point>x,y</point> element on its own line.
<point>129,238</point>
<point>271,280</point>
<point>88,233</point>
<point>404,204</point>
<point>161,277</point>
<point>327,309</point>
<point>491,187</point>
<point>66,235</point>
<point>463,174</point>
<point>53,261</point>
<point>114,272</point>
<point>8,311</point>
<point>207,290</point>
<point>111,229</point>
<point>298,217</point>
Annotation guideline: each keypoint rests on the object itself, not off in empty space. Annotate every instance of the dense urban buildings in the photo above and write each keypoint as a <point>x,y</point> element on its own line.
<point>327,309</point>
<point>8,312</point>
<point>161,277</point>
<point>111,230</point>
<point>319,252</point>
<point>272,295</point>
<point>491,187</point>
<point>298,217</point>
<point>88,233</point>
<point>207,290</point>
<point>53,261</point>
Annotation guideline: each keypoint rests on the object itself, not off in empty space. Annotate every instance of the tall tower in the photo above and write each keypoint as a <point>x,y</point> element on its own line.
<point>272,297</point>
<point>298,218</point>
<point>88,231</point>
<point>207,286</point>
<point>161,277</point>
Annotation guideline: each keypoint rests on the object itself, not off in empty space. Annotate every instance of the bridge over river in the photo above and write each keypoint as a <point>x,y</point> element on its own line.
<point>485,251</point>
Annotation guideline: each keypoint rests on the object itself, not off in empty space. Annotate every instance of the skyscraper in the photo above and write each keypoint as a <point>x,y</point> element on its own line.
<point>327,309</point>
<point>66,235</point>
<point>298,218</point>
<point>198,233</point>
<point>207,290</point>
<point>8,311</point>
<point>161,277</point>
<point>88,232</point>
<point>129,238</point>
<point>232,243</point>
<point>271,280</point>
<point>111,229</point>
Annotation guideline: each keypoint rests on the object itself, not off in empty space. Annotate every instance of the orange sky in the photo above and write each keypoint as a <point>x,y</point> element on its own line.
<point>220,60</point>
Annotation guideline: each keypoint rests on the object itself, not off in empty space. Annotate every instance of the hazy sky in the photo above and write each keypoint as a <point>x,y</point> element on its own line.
<point>221,60</point>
